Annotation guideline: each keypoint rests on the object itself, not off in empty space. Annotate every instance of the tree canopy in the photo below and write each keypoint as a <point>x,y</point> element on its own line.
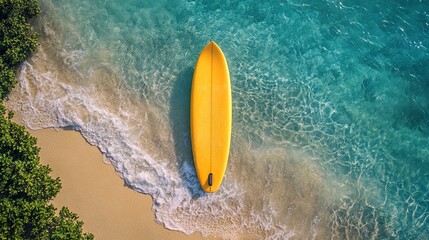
<point>26,188</point>
<point>17,39</point>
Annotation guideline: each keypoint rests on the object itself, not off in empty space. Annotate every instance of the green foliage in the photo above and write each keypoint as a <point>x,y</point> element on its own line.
<point>26,8</point>
<point>21,219</point>
<point>26,189</point>
<point>25,185</point>
<point>67,226</point>
<point>17,39</point>
<point>7,79</point>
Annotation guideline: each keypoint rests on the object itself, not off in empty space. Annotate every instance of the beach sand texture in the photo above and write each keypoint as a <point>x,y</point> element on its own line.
<point>90,188</point>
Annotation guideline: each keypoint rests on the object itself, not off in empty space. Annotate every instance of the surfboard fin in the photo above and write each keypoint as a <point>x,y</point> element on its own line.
<point>210,180</point>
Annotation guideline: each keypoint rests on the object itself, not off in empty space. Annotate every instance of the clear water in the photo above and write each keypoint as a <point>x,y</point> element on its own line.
<point>330,109</point>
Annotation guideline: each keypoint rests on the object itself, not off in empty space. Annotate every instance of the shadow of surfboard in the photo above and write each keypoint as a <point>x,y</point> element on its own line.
<point>180,124</point>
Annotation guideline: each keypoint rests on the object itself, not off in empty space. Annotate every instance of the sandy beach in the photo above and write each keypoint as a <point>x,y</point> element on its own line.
<point>92,189</point>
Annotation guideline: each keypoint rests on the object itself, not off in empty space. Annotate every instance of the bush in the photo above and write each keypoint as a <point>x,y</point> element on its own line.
<point>25,185</point>
<point>25,8</point>
<point>17,39</point>
<point>7,79</point>
<point>26,189</point>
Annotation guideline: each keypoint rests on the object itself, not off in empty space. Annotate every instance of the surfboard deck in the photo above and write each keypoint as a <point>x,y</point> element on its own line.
<point>211,117</point>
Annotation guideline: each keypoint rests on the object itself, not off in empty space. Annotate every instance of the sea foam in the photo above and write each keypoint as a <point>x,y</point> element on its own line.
<point>330,118</point>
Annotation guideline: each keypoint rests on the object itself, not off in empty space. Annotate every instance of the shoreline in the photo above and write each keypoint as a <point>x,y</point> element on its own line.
<point>92,189</point>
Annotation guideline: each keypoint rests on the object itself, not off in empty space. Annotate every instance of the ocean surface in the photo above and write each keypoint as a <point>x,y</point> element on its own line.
<point>330,109</point>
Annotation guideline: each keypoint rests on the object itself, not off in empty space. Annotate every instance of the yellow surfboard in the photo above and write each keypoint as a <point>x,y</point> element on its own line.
<point>211,117</point>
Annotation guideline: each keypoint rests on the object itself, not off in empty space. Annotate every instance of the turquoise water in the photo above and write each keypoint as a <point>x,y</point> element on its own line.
<point>330,109</point>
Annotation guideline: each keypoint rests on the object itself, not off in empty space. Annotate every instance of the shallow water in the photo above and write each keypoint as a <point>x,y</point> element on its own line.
<point>330,109</point>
